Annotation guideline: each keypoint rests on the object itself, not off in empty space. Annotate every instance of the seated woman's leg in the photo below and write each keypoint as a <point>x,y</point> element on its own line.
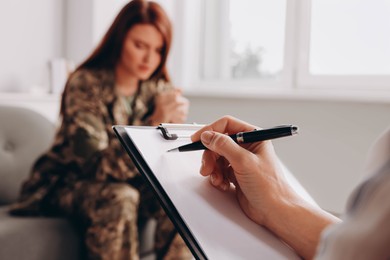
<point>168,243</point>
<point>173,248</point>
<point>107,213</point>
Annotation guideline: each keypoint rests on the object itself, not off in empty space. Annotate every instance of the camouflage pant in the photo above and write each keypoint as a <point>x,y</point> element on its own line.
<point>108,214</point>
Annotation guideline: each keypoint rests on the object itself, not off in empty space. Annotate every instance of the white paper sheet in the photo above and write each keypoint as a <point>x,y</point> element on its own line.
<point>214,217</point>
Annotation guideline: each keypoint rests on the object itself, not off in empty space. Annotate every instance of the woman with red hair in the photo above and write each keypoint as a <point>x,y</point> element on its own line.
<point>86,175</point>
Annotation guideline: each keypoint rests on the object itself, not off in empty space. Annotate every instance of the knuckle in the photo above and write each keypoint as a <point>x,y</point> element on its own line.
<point>219,140</point>
<point>226,118</point>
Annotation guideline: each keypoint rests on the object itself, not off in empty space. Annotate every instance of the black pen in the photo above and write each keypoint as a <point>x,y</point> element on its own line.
<point>246,137</point>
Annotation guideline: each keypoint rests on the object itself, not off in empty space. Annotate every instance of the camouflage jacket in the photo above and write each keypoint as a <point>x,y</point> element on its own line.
<point>85,146</point>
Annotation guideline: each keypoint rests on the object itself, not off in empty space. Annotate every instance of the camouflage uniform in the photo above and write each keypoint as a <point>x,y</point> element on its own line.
<point>88,177</point>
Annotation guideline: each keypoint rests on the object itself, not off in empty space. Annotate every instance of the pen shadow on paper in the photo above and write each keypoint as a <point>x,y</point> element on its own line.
<point>208,194</point>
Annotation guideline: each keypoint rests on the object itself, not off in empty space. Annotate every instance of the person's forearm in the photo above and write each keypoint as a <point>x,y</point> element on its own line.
<point>299,224</point>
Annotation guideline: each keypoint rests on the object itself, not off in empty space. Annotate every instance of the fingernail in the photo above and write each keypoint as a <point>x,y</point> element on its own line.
<point>212,178</point>
<point>206,137</point>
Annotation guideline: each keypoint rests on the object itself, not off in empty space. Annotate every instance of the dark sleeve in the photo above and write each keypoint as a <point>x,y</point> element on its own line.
<point>83,114</point>
<point>96,148</point>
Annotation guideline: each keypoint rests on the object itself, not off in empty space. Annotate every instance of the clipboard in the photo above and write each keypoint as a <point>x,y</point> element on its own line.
<point>211,222</point>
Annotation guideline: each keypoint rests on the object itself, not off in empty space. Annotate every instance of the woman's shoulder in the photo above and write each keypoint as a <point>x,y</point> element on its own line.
<point>85,92</point>
<point>89,80</point>
<point>90,75</point>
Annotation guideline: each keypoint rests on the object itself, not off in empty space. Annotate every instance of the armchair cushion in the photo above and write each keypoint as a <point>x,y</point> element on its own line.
<point>37,238</point>
<point>24,135</point>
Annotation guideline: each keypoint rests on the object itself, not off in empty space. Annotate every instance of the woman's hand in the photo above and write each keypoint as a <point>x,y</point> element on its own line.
<point>253,168</point>
<point>170,107</point>
<point>262,190</point>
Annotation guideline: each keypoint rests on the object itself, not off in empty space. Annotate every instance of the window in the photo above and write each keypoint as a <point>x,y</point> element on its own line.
<point>248,48</point>
<point>285,44</point>
<point>353,44</point>
<point>344,45</point>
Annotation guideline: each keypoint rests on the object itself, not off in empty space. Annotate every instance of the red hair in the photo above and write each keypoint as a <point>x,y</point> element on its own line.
<point>108,52</point>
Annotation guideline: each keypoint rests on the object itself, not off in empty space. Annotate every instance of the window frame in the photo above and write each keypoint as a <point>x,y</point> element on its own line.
<point>286,76</point>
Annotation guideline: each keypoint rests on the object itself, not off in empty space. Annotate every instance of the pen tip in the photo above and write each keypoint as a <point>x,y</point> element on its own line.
<point>294,130</point>
<point>172,150</point>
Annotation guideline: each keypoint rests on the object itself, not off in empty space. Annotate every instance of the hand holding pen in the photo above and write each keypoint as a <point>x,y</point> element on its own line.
<point>253,168</point>
<point>246,137</point>
<point>254,172</point>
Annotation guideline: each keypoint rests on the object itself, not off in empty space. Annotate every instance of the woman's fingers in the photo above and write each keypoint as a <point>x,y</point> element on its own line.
<point>209,161</point>
<point>219,169</point>
<point>226,124</point>
<point>222,182</point>
<point>171,107</point>
<point>226,147</point>
<point>215,166</point>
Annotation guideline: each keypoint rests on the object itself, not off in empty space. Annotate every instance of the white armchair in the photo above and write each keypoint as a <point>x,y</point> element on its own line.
<point>24,135</point>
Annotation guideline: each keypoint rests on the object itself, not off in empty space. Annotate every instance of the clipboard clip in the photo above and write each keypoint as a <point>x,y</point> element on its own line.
<point>182,130</point>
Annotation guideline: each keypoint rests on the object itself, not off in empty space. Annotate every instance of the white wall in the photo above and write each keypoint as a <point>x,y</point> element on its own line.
<point>31,35</point>
<point>35,32</point>
<point>86,23</point>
